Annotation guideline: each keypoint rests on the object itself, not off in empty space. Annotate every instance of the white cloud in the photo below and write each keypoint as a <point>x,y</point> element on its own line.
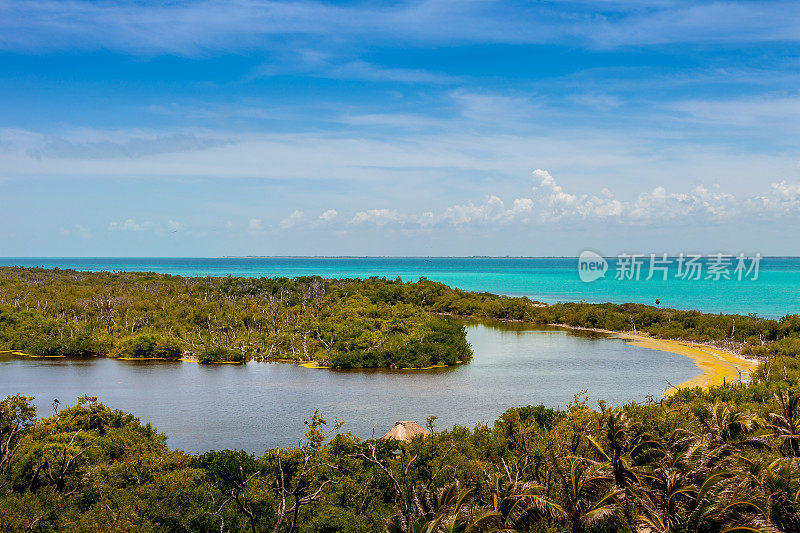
<point>555,204</point>
<point>426,219</point>
<point>484,107</point>
<point>698,204</point>
<point>612,158</point>
<point>551,204</point>
<point>782,198</point>
<point>130,225</point>
<point>397,120</point>
<point>379,217</point>
<point>292,220</point>
<point>329,215</point>
<point>191,28</point>
<point>755,112</point>
<point>320,65</point>
<point>523,205</point>
<point>597,101</point>
<point>126,146</point>
<point>492,210</point>
<point>255,224</point>
<point>77,230</point>
<point>174,225</point>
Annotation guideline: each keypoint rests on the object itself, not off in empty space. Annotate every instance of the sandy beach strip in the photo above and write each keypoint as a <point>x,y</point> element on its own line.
<point>717,366</point>
<point>23,354</point>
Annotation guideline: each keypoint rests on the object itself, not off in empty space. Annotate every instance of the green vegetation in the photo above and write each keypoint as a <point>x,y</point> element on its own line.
<point>725,459</point>
<point>703,461</point>
<point>341,323</point>
<point>219,354</point>
<point>148,346</point>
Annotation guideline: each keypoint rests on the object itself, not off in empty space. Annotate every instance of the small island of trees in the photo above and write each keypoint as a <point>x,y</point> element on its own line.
<point>341,323</point>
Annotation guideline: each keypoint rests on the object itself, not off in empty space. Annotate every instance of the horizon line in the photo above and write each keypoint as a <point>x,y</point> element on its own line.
<point>29,257</point>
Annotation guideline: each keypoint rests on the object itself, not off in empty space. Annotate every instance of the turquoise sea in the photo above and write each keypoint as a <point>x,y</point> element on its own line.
<point>776,291</point>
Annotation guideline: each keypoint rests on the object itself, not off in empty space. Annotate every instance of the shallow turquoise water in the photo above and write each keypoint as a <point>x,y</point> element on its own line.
<point>262,405</point>
<point>774,294</point>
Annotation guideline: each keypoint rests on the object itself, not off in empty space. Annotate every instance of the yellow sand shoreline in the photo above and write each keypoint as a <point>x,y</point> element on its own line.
<point>19,353</point>
<point>312,364</point>
<point>717,365</point>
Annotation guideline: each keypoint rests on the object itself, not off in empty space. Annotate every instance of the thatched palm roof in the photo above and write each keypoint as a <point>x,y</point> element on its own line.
<point>405,430</point>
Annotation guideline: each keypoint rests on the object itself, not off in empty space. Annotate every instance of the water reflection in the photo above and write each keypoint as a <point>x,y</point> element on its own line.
<point>262,405</point>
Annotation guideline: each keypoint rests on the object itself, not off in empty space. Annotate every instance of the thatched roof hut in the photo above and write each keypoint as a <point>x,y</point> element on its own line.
<point>405,430</point>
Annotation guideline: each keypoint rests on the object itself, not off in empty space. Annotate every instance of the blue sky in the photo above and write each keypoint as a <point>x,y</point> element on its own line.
<point>423,128</point>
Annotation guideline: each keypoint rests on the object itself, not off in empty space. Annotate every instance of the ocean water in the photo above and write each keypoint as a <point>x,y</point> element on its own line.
<point>775,292</point>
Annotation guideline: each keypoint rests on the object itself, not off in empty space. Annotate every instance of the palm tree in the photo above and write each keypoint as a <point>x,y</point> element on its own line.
<point>587,494</point>
<point>518,505</point>
<point>445,512</point>
<point>728,428</point>
<point>665,500</point>
<point>625,444</point>
<point>700,484</point>
<point>786,423</point>
<point>778,486</point>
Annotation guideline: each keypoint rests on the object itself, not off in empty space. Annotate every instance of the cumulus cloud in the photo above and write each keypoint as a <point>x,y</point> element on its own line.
<point>133,225</point>
<point>329,215</point>
<point>551,203</point>
<point>490,211</point>
<point>174,225</point>
<point>379,217</point>
<point>77,230</point>
<point>782,198</point>
<point>292,220</point>
<point>426,219</point>
<point>546,201</point>
<point>700,201</point>
<point>130,225</point>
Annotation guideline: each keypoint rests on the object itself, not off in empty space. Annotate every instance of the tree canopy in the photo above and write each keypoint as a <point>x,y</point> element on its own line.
<point>343,323</point>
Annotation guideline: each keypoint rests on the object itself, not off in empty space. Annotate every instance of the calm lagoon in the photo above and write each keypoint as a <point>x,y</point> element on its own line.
<point>262,405</point>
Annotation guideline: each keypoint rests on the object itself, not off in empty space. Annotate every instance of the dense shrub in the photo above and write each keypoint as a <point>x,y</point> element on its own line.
<point>81,346</point>
<point>220,354</point>
<point>148,346</point>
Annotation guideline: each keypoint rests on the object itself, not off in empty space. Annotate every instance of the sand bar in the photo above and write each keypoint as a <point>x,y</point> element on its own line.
<point>716,365</point>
